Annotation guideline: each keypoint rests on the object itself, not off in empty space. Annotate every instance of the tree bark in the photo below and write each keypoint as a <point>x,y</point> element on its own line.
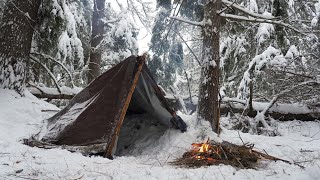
<point>208,108</point>
<point>17,28</point>
<point>96,39</point>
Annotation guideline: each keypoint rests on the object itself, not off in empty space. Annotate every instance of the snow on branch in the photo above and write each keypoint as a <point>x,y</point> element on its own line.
<point>201,23</point>
<point>49,72</point>
<point>272,102</point>
<point>260,115</point>
<point>108,22</point>
<point>56,61</point>
<point>246,11</point>
<point>52,93</point>
<point>260,20</point>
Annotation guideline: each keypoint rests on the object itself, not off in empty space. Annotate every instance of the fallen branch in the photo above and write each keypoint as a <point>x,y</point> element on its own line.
<point>293,112</point>
<point>52,93</point>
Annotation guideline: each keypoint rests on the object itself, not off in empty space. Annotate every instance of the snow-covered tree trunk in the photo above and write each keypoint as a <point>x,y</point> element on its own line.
<point>16,31</point>
<point>96,39</point>
<point>280,9</point>
<point>208,108</point>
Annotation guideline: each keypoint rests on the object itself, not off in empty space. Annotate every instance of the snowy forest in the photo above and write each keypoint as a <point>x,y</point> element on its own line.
<point>236,77</point>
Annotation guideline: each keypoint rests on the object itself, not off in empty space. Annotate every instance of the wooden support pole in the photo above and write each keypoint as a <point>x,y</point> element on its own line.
<point>110,147</point>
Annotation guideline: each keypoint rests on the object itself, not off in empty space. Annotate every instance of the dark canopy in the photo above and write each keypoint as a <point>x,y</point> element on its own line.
<point>94,116</point>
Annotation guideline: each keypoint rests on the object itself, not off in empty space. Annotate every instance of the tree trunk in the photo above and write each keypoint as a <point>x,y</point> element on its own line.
<point>96,39</point>
<point>208,108</point>
<point>17,28</point>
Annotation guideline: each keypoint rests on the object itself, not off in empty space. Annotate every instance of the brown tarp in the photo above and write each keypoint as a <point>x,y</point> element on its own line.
<point>93,115</point>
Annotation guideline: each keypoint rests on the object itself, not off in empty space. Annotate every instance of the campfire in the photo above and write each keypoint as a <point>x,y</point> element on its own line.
<point>213,153</point>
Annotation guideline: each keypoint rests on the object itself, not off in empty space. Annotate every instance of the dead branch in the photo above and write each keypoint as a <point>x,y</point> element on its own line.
<point>50,93</point>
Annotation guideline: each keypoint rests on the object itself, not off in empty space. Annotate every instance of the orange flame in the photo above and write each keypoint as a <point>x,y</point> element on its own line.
<point>202,151</point>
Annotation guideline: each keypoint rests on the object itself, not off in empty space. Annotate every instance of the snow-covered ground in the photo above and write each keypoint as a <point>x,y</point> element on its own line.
<point>20,117</point>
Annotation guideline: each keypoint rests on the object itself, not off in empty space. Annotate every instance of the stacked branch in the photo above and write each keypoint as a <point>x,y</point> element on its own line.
<point>213,153</point>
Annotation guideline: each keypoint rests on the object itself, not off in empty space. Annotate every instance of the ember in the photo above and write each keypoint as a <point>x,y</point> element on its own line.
<point>213,153</point>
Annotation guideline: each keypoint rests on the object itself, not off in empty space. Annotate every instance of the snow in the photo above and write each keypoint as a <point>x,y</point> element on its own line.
<point>315,20</point>
<point>54,91</point>
<point>69,42</point>
<point>251,12</point>
<point>264,31</point>
<point>141,20</point>
<point>201,23</point>
<point>253,7</point>
<point>292,52</point>
<point>294,108</point>
<point>21,117</point>
<point>271,56</point>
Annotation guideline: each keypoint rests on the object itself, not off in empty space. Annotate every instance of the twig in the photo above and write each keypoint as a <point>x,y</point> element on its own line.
<point>241,138</point>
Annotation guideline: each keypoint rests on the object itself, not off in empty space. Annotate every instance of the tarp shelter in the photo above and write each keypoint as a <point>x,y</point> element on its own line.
<point>95,116</point>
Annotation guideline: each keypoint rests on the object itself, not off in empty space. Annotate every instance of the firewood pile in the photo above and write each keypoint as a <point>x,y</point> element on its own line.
<point>213,153</point>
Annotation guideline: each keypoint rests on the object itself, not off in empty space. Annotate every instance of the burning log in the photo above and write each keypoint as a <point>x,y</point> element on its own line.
<point>213,153</point>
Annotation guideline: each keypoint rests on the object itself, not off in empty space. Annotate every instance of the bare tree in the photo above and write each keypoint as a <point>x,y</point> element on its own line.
<point>17,28</point>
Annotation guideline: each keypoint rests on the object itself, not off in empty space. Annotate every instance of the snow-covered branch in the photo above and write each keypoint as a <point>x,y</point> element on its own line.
<point>258,20</point>
<point>52,93</point>
<point>106,22</point>
<point>49,72</point>
<point>56,61</point>
<point>274,99</point>
<point>201,23</point>
<point>246,11</point>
